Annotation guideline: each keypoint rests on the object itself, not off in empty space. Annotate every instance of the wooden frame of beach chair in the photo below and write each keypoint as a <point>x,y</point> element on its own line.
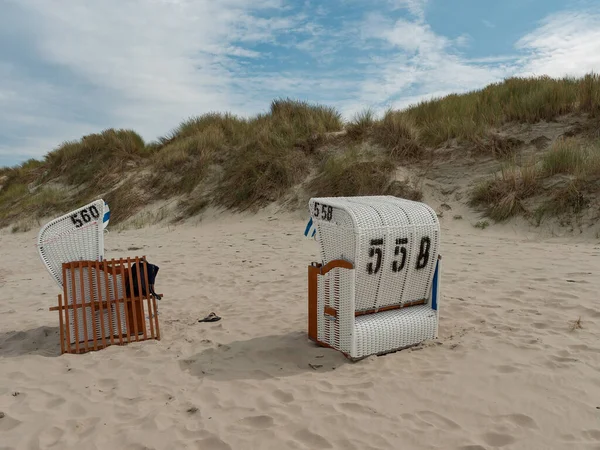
<point>94,310</point>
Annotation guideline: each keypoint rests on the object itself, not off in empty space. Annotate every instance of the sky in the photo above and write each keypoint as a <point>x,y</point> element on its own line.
<point>69,67</point>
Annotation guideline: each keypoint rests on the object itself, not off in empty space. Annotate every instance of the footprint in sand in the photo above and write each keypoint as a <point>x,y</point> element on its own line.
<point>55,403</point>
<point>491,333</point>
<point>506,369</point>
<point>50,437</point>
<point>438,421</point>
<point>498,439</point>
<point>282,396</point>
<point>257,422</point>
<point>213,443</point>
<point>563,359</point>
<point>7,423</point>
<point>522,420</point>
<point>592,435</point>
<point>357,408</point>
<point>568,437</point>
<point>107,383</point>
<point>312,440</point>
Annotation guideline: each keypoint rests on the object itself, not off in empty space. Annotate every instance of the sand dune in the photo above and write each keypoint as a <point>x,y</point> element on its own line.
<point>511,369</point>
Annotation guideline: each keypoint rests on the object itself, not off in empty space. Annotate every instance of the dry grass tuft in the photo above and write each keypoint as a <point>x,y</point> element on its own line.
<point>353,173</point>
<point>576,324</point>
<point>589,94</point>
<point>259,174</point>
<point>125,201</point>
<point>398,133</point>
<point>577,161</point>
<point>97,159</point>
<point>503,195</point>
<point>361,125</point>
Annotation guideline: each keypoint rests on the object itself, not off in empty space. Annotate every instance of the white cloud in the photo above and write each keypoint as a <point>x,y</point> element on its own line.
<point>148,64</point>
<point>426,65</point>
<point>421,63</point>
<point>565,44</point>
<point>159,60</point>
<point>416,7</point>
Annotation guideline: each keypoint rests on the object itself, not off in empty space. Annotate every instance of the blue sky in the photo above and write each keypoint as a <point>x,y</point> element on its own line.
<point>68,68</point>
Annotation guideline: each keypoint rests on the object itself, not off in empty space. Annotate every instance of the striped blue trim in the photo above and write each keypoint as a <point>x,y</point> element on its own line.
<point>310,229</point>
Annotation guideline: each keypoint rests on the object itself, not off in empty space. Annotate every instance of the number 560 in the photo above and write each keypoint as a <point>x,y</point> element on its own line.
<point>85,215</point>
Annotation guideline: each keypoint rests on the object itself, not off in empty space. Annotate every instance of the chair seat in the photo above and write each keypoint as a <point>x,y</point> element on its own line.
<point>393,330</point>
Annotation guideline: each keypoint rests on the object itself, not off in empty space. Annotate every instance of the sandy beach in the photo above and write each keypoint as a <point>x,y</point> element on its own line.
<point>510,370</point>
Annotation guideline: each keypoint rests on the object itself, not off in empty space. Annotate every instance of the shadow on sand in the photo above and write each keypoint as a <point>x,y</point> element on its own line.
<point>261,358</point>
<point>43,341</point>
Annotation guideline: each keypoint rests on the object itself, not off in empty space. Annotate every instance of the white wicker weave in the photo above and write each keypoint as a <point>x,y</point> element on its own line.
<point>333,289</point>
<point>393,245</point>
<point>75,236</point>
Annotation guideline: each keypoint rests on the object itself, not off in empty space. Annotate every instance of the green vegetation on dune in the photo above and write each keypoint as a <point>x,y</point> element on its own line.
<point>356,173</point>
<point>568,175</point>
<point>528,100</point>
<point>246,163</point>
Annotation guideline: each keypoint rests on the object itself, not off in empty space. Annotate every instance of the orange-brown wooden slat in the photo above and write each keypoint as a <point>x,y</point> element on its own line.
<point>75,314</point>
<point>100,298</point>
<point>83,310</point>
<point>61,329</point>
<point>93,307</point>
<point>66,299</point>
<point>110,303</point>
<point>117,298</point>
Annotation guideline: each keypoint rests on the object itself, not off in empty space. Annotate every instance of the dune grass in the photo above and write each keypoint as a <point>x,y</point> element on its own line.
<point>96,158</point>
<point>575,161</point>
<point>259,174</point>
<point>275,155</point>
<point>573,156</point>
<point>359,173</point>
<point>361,125</point>
<point>247,162</point>
<point>529,100</point>
<point>502,197</point>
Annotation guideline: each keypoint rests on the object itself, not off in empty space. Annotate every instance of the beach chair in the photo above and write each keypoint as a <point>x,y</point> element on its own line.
<point>100,304</point>
<point>377,287</point>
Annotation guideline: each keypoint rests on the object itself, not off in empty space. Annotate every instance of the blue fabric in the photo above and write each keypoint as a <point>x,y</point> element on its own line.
<point>434,287</point>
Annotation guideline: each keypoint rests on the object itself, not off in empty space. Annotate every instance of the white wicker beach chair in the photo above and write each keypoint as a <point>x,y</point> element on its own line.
<point>377,287</point>
<point>79,236</point>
